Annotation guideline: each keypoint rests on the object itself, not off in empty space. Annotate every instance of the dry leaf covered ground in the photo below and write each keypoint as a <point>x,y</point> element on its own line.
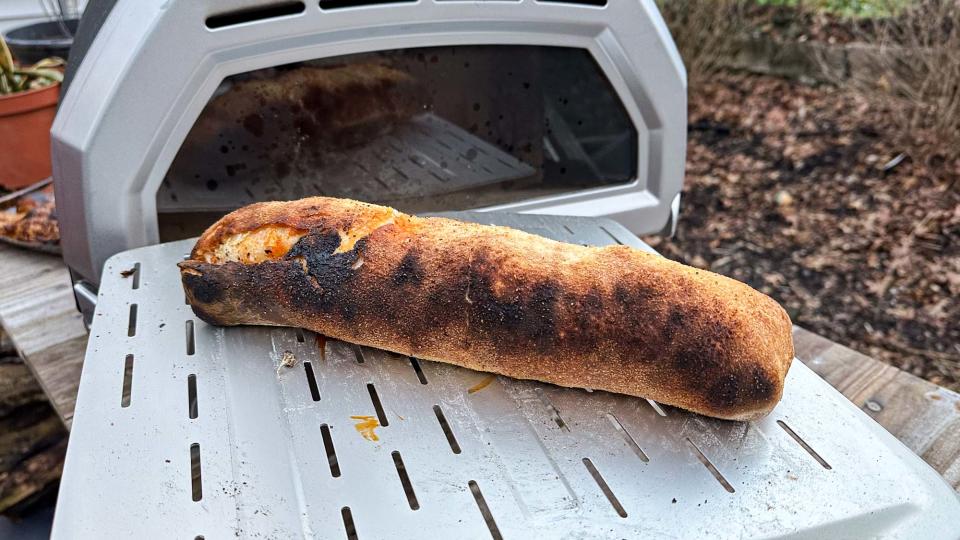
<point>798,191</point>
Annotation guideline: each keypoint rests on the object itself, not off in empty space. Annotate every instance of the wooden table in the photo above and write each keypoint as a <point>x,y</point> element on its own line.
<point>37,311</point>
<point>924,416</point>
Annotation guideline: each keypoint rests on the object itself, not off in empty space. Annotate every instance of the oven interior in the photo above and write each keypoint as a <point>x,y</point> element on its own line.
<point>421,129</point>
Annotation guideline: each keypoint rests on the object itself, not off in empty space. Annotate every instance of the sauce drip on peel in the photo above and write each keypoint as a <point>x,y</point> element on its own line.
<point>482,384</point>
<point>322,346</point>
<point>366,426</point>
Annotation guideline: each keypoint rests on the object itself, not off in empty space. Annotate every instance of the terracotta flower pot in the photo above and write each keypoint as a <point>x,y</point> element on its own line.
<point>25,120</point>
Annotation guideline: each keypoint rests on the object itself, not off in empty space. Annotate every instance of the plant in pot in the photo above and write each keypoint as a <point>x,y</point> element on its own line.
<point>28,103</point>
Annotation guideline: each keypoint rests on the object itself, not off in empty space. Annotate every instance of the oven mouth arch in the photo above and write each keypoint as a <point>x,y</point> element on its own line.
<point>596,40</point>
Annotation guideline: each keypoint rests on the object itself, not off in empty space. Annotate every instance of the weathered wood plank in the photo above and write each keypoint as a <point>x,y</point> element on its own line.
<point>37,312</point>
<point>924,416</point>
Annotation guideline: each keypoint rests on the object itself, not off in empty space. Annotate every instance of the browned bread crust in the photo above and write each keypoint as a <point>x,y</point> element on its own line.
<point>496,299</point>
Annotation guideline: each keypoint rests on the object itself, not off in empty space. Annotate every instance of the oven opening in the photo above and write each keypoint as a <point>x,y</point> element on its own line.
<point>422,129</point>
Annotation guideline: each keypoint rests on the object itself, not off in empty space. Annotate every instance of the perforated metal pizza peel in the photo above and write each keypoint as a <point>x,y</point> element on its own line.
<point>184,430</point>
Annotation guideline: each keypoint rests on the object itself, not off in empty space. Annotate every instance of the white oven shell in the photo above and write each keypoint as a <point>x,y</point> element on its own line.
<point>154,64</point>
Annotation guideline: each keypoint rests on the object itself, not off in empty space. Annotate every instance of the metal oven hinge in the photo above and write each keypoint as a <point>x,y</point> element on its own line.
<point>85,296</point>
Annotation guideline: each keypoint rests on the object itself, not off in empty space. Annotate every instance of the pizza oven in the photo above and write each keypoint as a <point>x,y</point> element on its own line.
<point>178,111</point>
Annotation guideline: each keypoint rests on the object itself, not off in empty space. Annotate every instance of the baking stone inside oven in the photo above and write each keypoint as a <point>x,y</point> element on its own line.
<point>424,157</point>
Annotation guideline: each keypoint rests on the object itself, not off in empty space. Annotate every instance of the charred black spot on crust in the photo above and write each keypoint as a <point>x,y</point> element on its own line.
<point>763,386</point>
<point>436,306</point>
<point>592,303</point>
<point>622,295</point>
<point>516,318</point>
<point>702,353</point>
<point>225,294</point>
<point>447,296</point>
<point>705,341</point>
<point>725,392</point>
<point>489,308</point>
<point>201,288</point>
<point>315,244</point>
<point>674,325</point>
<point>539,321</point>
<point>747,387</point>
<point>633,297</point>
<point>409,270</point>
<point>637,311</point>
<point>360,247</point>
<point>589,314</point>
<point>332,272</point>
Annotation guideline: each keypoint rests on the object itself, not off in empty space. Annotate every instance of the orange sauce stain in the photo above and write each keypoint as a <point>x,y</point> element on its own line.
<point>322,345</point>
<point>482,384</point>
<point>365,427</point>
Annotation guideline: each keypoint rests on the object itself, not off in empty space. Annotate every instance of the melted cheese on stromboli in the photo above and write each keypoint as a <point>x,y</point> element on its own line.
<point>267,243</point>
<point>272,242</point>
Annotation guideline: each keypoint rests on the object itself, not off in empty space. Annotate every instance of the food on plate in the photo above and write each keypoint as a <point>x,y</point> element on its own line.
<point>31,221</point>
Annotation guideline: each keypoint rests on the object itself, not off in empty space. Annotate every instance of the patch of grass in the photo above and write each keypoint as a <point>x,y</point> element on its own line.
<point>844,8</point>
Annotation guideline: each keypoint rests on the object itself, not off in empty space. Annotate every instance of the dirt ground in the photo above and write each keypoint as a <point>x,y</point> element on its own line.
<point>802,193</point>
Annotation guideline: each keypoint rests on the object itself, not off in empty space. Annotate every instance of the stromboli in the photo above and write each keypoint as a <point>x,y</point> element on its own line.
<point>496,299</point>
